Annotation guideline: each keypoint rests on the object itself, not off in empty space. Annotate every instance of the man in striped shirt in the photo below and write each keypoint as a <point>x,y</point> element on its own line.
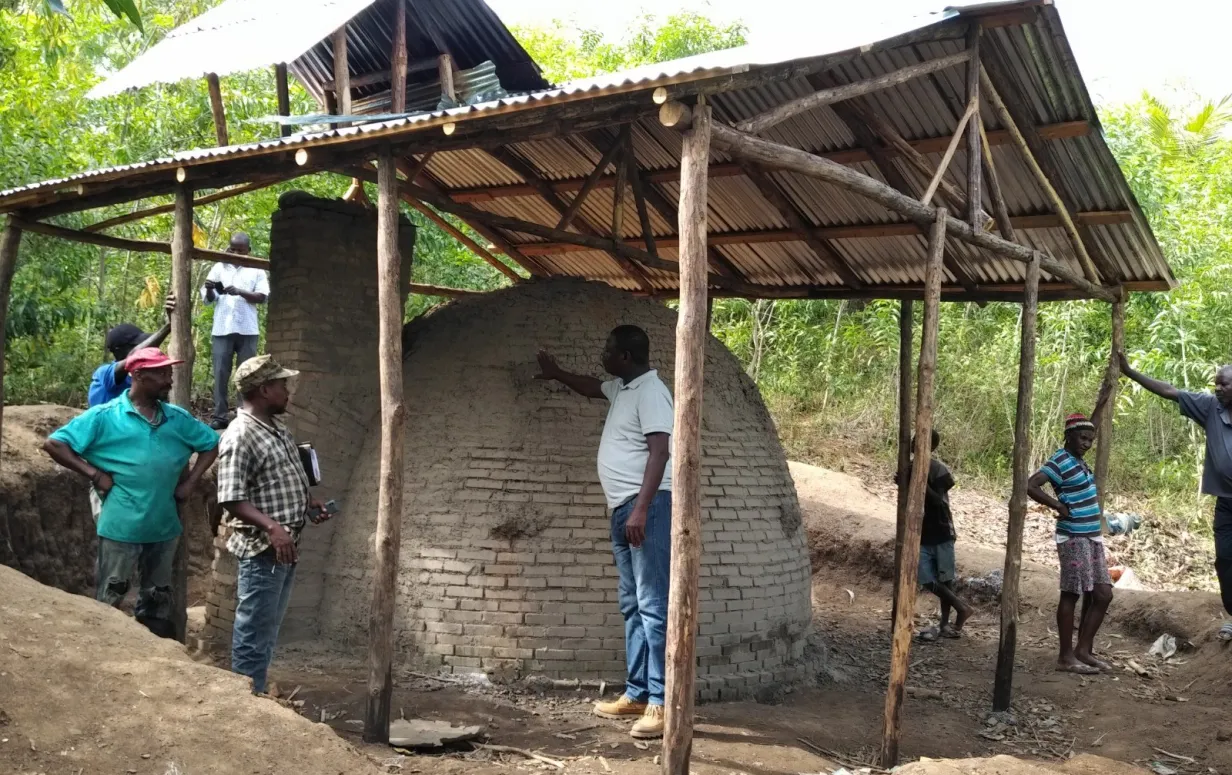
<point>1084,568</point>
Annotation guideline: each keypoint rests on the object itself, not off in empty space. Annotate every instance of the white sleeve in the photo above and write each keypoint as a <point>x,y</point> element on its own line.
<point>261,284</point>
<point>654,409</point>
<point>610,388</point>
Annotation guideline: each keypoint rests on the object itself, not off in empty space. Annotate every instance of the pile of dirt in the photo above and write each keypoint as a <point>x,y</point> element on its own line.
<point>46,529</point>
<point>85,688</point>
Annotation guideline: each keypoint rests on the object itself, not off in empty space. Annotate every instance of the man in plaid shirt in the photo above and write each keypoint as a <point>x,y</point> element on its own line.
<point>264,488</point>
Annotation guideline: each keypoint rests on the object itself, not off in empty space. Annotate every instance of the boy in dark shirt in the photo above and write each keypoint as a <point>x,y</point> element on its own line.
<point>937,536</point>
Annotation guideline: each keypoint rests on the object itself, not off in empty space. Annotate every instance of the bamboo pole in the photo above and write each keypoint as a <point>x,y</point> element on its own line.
<point>975,192</point>
<point>686,457</point>
<point>393,417</point>
<point>782,157</point>
<point>821,97</point>
<point>1003,683</point>
<point>1105,408</point>
<point>397,67</point>
<point>9,246</point>
<point>909,565</point>
<point>282,88</point>
<point>1058,206</point>
<point>181,348</point>
<point>220,116</point>
<point>905,323</point>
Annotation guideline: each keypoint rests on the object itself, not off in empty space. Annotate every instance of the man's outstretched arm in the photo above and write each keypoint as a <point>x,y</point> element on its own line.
<point>1156,386</point>
<point>581,384</point>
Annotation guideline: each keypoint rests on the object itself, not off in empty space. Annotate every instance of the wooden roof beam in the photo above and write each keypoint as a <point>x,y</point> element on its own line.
<point>527,171</point>
<point>799,224</point>
<point>140,246</point>
<point>853,231</point>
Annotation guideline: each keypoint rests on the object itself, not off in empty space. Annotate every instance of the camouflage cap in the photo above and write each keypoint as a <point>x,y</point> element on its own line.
<point>256,371</point>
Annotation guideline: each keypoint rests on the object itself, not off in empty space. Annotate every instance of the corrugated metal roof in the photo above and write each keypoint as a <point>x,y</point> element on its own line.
<point>240,35</point>
<point>744,227</point>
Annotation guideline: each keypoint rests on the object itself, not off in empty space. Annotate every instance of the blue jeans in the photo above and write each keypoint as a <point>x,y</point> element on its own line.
<point>263,592</point>
<point>155,566</point>
<point>643,597</point>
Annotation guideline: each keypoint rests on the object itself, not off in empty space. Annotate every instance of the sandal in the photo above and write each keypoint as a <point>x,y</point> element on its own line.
<point>951,633</point>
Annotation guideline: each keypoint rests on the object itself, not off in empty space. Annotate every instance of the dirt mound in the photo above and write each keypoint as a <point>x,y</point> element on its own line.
<point>1007,765</point>
<point>46,530</point>
<point>83,687</point>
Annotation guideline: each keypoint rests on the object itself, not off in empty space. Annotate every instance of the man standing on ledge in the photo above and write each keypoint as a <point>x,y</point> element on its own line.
<point>235,292</point>
<point>1214,414</point>
<point>264,488</point>
<point>635,471</point>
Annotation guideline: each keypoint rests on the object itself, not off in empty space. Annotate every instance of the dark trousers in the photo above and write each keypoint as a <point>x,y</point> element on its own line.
<point>1223,550</point>
<point>237,347</point>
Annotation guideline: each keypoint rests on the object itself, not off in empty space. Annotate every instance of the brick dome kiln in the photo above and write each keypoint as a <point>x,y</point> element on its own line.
<point>506,564</point>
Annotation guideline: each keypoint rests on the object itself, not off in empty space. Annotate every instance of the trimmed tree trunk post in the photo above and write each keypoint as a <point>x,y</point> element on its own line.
<point>393,417</point>
<point>220,116</point>
<point>397,67</point>
<point>905,323</point>
<point>181,347</point>
<point>284,95</point>
<point>8,266</point>
<point>444,71</point>
<point>908,562</point>
<point>342,74</point>
<point>1003,684</point>
<point>686,457</point>
<point>975,195</point>
<point>1106,408</point>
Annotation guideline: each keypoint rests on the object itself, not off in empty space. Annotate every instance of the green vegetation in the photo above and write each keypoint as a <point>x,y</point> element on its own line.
<point>828,368</point>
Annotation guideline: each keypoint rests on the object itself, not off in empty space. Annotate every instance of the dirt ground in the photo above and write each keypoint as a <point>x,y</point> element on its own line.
<point>84,690</point>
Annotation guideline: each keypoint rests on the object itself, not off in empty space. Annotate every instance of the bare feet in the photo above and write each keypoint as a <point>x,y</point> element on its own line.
<point>1072,665</point>
<point>1093,661</point>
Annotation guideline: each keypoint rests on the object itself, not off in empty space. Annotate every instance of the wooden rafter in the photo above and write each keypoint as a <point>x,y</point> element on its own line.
<point>948,156</point>
<point>639,199</point>
<point>884,163</point>
<point>527,171</point>
<point>1000,209</point>
<point>996,137</point>
<point>144,246</point>
<point>799,224</point>
<point>167,208</point>
<point>588,185</point>
<point>975,131</point>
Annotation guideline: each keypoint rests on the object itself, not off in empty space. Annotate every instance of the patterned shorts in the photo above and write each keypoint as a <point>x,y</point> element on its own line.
<point>1083,565</point>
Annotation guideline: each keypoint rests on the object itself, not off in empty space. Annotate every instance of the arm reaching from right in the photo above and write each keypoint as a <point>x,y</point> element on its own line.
<point>1156,386</point>
<point>578,383</point>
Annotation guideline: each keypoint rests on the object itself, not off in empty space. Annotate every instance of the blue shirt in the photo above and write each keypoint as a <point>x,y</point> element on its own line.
<point>103,387</point>
<point>145,461</point>
<point>1205,410</point>
<point>1074,485</point>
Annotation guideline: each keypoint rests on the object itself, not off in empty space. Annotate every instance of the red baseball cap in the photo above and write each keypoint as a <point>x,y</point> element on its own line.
<point>148,358</point>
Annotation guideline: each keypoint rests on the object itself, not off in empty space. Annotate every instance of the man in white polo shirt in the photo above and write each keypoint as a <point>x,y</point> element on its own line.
<point>636,474</point>
<point>235,291</point>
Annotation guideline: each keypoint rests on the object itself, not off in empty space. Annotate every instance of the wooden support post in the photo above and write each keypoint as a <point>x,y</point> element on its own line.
<point>777,156</point>
<point>282,87</point>
<point>220,116</point>
<point>393,417</point>
<point>847,91</point>
<point>444,69</point>
<point>618,193</point>
<point>907,573</point>
<point>181,348</point>
<point>905,322</point>
<point>999,208</point>
<point>8,266</point>
<point>1003,683</point>
<point>397,67</point>
<point>342,74</point>
<point>1105,408</point>
<point>939,175</point>
<point>975,189</point>
<point>686,457</point>
<point>639,199</point>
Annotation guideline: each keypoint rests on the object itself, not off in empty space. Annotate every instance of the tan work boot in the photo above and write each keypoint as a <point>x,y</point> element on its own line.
<point>650,725</point>
<point>620,709</point>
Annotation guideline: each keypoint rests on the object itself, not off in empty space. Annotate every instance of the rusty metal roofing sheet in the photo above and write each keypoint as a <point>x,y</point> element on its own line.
<point>745,228</point>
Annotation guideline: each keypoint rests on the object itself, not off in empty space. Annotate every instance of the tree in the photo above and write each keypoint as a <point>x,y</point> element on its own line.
<point>121,8</point>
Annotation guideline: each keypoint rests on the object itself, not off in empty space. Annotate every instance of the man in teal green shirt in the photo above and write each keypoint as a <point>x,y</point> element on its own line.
<point>134,449</point>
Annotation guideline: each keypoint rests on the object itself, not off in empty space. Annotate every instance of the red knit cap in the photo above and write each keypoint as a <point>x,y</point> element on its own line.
<point>1078,422</point>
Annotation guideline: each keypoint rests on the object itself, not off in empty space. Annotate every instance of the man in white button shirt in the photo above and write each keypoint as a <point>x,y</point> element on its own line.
<point>235,292</point>
<point>636,474</point>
